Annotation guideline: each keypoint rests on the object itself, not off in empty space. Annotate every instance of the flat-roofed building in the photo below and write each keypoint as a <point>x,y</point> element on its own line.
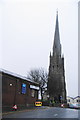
<point>17,89</point>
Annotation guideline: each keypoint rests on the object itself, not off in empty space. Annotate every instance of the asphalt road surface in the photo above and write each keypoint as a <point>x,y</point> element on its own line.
<point>45,112</point>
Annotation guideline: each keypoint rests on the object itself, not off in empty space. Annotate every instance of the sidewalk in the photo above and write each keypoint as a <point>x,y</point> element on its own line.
<point>18,110</point>
<point>25,110</point>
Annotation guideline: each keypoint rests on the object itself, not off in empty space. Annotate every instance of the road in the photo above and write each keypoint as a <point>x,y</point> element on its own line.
<point>45,112</point>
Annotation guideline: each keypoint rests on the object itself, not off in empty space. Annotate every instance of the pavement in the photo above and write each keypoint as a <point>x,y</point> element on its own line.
<point>22,110</point>
<point>44,112</point>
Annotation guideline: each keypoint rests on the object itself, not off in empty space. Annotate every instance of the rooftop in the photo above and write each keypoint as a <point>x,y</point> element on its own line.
<point>17,75</point>
<point>74,97</point>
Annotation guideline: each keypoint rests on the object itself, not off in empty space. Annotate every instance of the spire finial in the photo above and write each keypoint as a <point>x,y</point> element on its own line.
<point>57,11</point>
<point>56,45</point>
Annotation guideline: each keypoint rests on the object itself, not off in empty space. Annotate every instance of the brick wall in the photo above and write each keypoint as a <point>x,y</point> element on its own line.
<point>12,91</point>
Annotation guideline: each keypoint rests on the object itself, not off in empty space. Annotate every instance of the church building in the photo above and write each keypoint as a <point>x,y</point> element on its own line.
<point>56,77</point>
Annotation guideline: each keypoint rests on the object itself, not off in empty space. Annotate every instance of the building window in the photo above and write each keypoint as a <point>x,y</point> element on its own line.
<point>77,100</point>
<point>33,93</point>
<point>68,100</point>
<point>10,84</point>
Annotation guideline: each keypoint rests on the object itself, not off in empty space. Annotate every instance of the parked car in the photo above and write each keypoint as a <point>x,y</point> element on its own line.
<point>38,103</point>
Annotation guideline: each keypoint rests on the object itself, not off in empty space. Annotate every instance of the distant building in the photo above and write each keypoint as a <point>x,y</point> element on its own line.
<point>70,100</point>
<point>73,102</point>
<point>18,90</point>
<point>77,99</point>
<point>56,77</point>
<point>45,94</point>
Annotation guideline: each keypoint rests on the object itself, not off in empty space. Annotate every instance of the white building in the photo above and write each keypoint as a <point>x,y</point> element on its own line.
<point>73,102</point>
<point>70,100</point>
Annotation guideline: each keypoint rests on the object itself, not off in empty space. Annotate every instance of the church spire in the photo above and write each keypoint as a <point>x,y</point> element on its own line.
<point>57,46</point>
<point>56,78</point>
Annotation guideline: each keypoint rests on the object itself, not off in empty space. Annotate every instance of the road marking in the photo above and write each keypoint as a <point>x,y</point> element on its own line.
<point>55,114</point>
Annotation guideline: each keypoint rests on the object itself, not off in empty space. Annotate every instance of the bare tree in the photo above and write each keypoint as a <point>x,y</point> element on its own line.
<point>39,75</point>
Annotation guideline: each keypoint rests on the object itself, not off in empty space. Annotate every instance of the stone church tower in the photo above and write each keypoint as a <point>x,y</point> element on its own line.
<point>56,77</point>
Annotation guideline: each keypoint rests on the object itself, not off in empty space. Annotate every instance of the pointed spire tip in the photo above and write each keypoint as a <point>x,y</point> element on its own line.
<point>50,53</point>
<point>57,11</point>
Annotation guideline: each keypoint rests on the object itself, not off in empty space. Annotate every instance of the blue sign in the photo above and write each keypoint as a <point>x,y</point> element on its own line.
<point>23,88</point>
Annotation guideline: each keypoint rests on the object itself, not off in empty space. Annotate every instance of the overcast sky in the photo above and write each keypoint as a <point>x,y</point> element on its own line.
<point>27,34</point>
